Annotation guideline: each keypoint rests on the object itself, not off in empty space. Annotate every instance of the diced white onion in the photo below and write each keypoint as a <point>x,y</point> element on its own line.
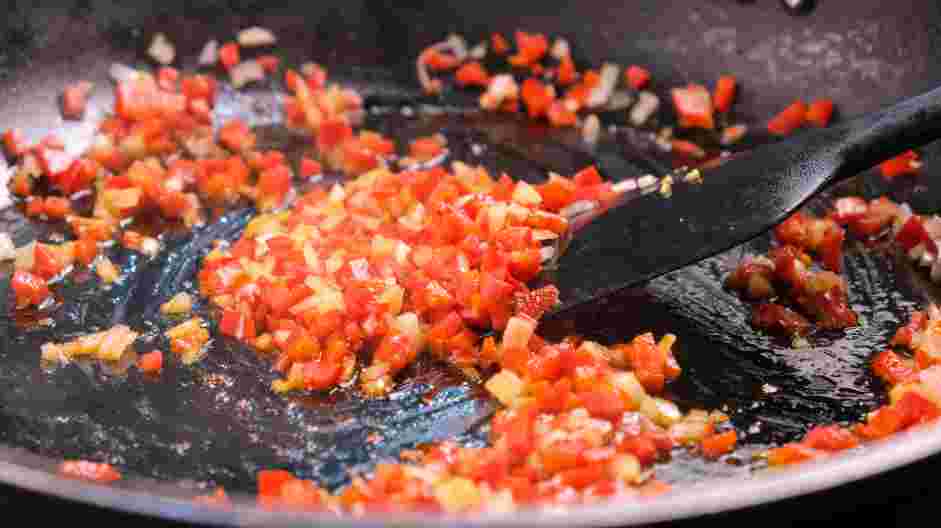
<point>210,53</point>
<point>7,249</point>
<point>505,386</point>
<point>161,49</point>
<point>121,72</point>
<point>560,49</point>
<point>934,312</point>
<point>620,100</point>
<point>625,186</point>
<point>458,46</point>
<point>519,329</point>
<point>933,227</point>
<point>409,325</point>
<point>732,134</point>
<point>663,412</point>
<point>478,52</point>
<point>150,246</point>
<point>591,131</point>
<point>904,213</point>
<point>927,259</point>
<point>606,84</point>
<point>666,186</point>
<point>547,253</point>
<point>645,181</point>
<point>526,194</point>
<point>359,268</point>
<point>936,271</point>
<point>577,208</point>
<point>246,72</point>
<point>647,104</point>
<point>541,235</point>
<point>256,36</point>
<point>501,88</point>
<point>25,257</point>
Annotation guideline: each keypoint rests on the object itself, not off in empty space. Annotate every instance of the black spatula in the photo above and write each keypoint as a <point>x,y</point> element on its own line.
<point>653,234</point>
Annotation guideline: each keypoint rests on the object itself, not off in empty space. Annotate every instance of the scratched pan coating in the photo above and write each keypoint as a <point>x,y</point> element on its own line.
<point>217,423</point>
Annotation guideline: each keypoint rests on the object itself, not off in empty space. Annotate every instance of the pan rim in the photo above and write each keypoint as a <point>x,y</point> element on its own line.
<point>686,501</point>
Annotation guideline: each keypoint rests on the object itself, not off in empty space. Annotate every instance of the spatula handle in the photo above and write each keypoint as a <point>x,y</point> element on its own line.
<point>876,137</point>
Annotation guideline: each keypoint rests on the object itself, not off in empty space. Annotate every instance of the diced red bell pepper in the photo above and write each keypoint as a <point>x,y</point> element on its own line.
<point>167,78</point>
<point>321,374</point>
<point>904,335</point>
<point>648,361</point>
<point>200,87</point>
<point>889,367</point>
<point>582,477</point>
<point>789,120</point>
<point>775,317</point>
<point>315,76</point>
<point>75,99</point>
<point>903,164</point>
<point>794,229</point>
<point>229,55</point>
<point>637,77</point>
<point>530,48</point>
<point>848,209</point>
<point>30,289</point>
<point>560,116</point>
<point>275,181</point>
<point>438,60</point>
<point>536,96</point>
<point>881,423</point>
<point>693,106</point>
<point>725,93</point>
<point>237,324</point>
<point>151,362</point>
<point>36,207</point>
<point>603,403</point>
<point>499,44</point>
<point>270,481</point>
<point>791,454</point>
<point>830,438</point>
<point>90,471</point>
<point>913,232</point>
<point>916,409</point>
<point>141,99</point>
<point>686,148</point>
<point>566,73</point>
<point>880,213</point>
<point>236,136</point>
<point>14,143</point>
<point>714,446</point>
<point>558,192</point>
<point>472,74</point>
<point>85,250</point>
<point>819,112</point>
<point>332,133</point>
<point>425,148</point>
<point>310,168</point>
<point>641,446</point>
<point>830,249</point>
<point>57,208</point>
<point>587,177</point>
<point>269,63</point>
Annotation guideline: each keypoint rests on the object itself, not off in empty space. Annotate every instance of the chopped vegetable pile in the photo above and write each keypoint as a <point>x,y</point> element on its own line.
<point>353,282</point>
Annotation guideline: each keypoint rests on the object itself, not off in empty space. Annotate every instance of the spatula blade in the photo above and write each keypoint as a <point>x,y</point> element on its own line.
<point>653,234</point>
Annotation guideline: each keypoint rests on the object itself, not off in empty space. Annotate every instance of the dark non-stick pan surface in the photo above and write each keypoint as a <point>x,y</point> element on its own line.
<point>217,423</point>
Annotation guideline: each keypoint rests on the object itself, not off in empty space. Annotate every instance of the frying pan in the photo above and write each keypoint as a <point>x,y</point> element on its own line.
<point>217,423</point>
